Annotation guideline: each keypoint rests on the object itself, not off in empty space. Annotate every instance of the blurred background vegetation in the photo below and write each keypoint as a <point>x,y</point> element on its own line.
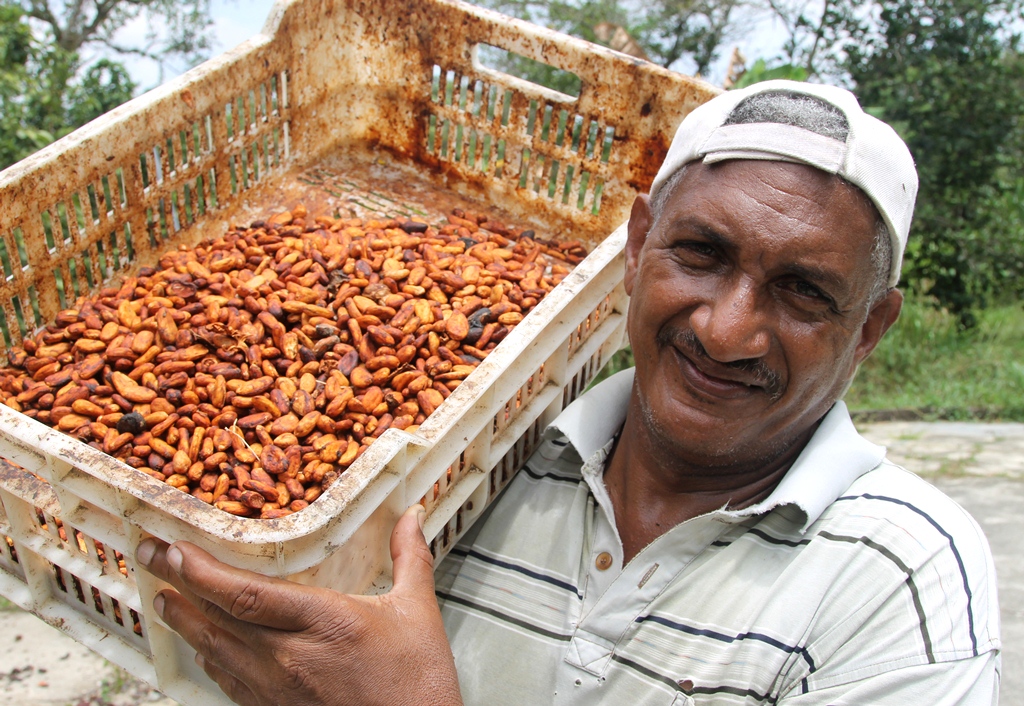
<point>62,64</point>
<point>947,74</point>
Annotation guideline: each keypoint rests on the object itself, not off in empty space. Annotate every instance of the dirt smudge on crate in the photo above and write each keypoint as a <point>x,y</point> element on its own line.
<point>27,484</point>
<point>654,151</point>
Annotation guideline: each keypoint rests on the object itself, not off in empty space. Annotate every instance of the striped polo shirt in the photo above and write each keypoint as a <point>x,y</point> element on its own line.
<point>854,582</point>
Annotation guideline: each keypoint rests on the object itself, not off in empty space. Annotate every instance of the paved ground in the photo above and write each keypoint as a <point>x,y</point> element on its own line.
<point>981,466</point>
<point>953,449</point>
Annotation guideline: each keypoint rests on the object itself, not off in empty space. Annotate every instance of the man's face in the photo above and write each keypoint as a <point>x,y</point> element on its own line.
<point>750,307</point>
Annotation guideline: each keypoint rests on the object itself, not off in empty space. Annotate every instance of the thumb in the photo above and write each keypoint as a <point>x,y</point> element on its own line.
<point>413,562</point>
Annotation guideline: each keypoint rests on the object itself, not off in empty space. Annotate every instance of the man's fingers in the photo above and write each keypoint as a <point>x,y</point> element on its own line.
<point>152,553</point>
<point>413,562</point>
<point>217,647</point>
<point>243,595</point>
<point>156,560</point>
<point>232,686</point>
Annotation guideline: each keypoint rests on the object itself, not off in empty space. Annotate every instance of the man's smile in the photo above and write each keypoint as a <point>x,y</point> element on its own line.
<point>711,385</point>
<point>708,377</point>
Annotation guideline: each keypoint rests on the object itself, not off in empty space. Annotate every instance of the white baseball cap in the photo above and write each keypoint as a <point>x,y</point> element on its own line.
<point>873,157</point>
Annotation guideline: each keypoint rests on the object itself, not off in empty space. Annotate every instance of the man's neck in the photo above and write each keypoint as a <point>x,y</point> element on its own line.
<point>652,490</point>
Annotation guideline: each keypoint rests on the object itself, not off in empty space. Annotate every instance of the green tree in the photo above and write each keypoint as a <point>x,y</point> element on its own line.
<point>696,30</point>
<point>761,71</point>
<point>17,136</point>
<point>815,33</point>
<point>684,35</point>
<point>946,76</point>
<point>46,90</point>
<point>102,87</point>
<point>176,29</point>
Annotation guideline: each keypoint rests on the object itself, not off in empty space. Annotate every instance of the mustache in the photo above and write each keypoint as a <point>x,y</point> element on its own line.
<point>759,371</point>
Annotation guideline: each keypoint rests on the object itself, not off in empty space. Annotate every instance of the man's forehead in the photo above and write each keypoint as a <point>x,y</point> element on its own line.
<point>801,186</point>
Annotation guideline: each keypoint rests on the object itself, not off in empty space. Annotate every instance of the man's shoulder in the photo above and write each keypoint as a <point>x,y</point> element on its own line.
<point>901,541</point>
<point>896,514</point>
<point>890,498</point>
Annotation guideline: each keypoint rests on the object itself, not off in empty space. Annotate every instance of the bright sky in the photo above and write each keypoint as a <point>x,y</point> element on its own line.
<point>235,21</point>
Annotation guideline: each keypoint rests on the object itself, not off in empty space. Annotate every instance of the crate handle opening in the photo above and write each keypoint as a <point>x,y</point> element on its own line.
<point>513,68</point>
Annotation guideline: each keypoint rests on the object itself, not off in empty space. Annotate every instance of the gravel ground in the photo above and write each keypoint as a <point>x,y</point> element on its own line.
<point>41,666</point>
<point>981,466</point>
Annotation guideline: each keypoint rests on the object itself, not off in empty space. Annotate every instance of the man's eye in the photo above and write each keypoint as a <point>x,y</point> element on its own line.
<point>805,289</point>
<point>696,249</point>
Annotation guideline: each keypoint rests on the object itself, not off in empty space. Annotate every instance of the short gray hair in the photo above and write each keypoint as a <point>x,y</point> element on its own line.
<point>809,113</point>
<point>796,109</point>
<point>881,259</point>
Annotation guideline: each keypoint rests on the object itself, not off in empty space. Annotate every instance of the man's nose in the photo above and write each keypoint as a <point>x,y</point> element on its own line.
<point>731,325</point>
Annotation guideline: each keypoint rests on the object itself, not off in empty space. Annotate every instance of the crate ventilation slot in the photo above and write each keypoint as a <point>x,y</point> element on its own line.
<point>124,620</point>
<point>536,145</point>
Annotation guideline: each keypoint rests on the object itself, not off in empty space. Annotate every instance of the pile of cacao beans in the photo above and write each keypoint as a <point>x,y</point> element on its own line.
<point>254,369</point>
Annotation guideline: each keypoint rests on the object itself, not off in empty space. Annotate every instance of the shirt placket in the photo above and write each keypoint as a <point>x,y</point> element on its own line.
<point>615,596</point>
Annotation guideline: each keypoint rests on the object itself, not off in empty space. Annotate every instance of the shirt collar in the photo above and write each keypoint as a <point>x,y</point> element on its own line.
<point>835,456</point>
<point>596,416</point>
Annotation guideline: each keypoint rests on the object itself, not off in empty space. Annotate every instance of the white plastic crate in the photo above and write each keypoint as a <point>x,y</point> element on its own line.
<point>361,108</point>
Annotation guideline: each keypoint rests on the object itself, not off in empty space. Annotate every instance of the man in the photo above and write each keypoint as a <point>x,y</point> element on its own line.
<point>710,529</point>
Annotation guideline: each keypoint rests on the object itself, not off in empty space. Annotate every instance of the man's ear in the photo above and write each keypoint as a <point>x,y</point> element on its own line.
<point>636,235</point>
<point>882,316</point>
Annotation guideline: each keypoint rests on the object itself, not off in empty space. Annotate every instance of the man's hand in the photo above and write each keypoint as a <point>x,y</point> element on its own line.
<point>270,641</point>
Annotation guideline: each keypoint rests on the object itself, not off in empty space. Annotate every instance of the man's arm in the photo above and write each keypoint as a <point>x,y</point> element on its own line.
<point>270,641</point>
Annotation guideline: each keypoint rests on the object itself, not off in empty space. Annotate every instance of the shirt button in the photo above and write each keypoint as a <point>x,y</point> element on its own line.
<point>604,561</point>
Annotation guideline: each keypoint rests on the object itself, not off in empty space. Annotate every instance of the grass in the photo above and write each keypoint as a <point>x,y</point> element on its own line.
<point>7,605</point>
<point>928,365</point>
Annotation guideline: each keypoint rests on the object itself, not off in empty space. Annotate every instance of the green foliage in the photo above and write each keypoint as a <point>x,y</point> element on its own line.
<point>104,86</point>
<point>760,71</point>
<point>928,362</point>
<point>46,91</point>
<point>24,100</point>
<point>41,99</point>
<point>175,28</point>
<point>671,32</point>
<point>944,75</point>
<point>815,32</point>
<point>575,17</point>
<point>15,39</point>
